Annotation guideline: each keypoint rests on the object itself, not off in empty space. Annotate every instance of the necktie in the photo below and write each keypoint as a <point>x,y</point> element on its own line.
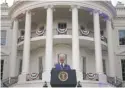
<point>62,66</point>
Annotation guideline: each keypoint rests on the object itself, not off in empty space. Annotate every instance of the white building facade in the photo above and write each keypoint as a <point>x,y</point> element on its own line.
<point>86,32</point>
<point>5,41</point>
<point>119,39</point>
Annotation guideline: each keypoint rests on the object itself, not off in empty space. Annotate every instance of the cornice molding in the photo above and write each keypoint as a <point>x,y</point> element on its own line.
<point>15,10</point>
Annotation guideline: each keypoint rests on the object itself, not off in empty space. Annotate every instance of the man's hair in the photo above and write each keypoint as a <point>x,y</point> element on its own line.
<point>62,55</point>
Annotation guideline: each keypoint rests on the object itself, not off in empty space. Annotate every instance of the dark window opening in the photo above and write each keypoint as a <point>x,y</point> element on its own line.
<point>2,65</point>
<point>121,37</point>
<point>104,66</point>
<point>123,69</point>
<point>62,25</point>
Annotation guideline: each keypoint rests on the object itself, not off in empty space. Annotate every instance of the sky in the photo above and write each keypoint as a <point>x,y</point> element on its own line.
<point>10,2</point>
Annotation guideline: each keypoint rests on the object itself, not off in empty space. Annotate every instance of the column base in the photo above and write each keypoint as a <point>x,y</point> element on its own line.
<point>22,78</point>
<point>102,78</point>
<point>79,75</point>
<point>46,76</point>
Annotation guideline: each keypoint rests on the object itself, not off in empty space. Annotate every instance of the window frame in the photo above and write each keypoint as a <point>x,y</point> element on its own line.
<point>119,36</point>
<point>62,23</point>
<point>3,38</point>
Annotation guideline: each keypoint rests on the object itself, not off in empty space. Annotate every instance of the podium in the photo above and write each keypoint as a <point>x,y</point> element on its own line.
<point>63,78</point>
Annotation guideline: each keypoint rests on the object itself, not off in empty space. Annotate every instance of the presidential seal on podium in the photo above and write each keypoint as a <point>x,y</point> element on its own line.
<point>63,76</point>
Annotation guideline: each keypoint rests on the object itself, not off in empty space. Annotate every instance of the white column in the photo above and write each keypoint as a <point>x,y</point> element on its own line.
<point>110,49</point>
<point>75,39</point>
<point>97,38</point>
<point>49,44</point>
<point>49,39</point>
<point>26,48</point>
<point>12,70</point>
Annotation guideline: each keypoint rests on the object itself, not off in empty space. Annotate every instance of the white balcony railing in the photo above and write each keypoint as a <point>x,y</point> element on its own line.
<point>68,32</point>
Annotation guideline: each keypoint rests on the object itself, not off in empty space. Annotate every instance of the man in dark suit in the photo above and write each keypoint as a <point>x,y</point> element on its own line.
<point>61,65</point>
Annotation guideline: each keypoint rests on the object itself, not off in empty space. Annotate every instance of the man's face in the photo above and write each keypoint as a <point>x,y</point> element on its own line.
<point>61,60</point>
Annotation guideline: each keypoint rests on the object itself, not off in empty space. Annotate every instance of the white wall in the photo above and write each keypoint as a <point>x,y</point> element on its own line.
<point>34,59</point>
<point>55,26</point>
<point>65,49</point>
<point>119,24</point>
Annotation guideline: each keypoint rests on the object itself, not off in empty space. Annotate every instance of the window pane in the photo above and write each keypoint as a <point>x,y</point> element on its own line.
<point>122,37</point>
<point>62,25</point>
<point>3,37</point>
<point>123,69</point>
<point>123,78</point>
<point>3,33</point>
<point>3,41</point>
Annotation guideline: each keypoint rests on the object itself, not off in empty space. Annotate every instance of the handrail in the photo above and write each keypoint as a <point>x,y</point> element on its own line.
<point>118,82</point>
<point>5,79</point>
<point>9,81</point>
<point>114,81</point>
<point>4,82</point>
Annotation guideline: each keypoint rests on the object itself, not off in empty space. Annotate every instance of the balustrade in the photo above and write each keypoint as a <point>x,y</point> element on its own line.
<point>68,31</point>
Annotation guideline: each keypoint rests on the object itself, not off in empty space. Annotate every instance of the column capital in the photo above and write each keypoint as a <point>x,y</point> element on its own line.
<point>93,11</point>
<point>14,19</point>
<point>28,11</point>
<point>96,11</point>
<point>74,6</point>
<point>49,6</point>
<point>109,19</point>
